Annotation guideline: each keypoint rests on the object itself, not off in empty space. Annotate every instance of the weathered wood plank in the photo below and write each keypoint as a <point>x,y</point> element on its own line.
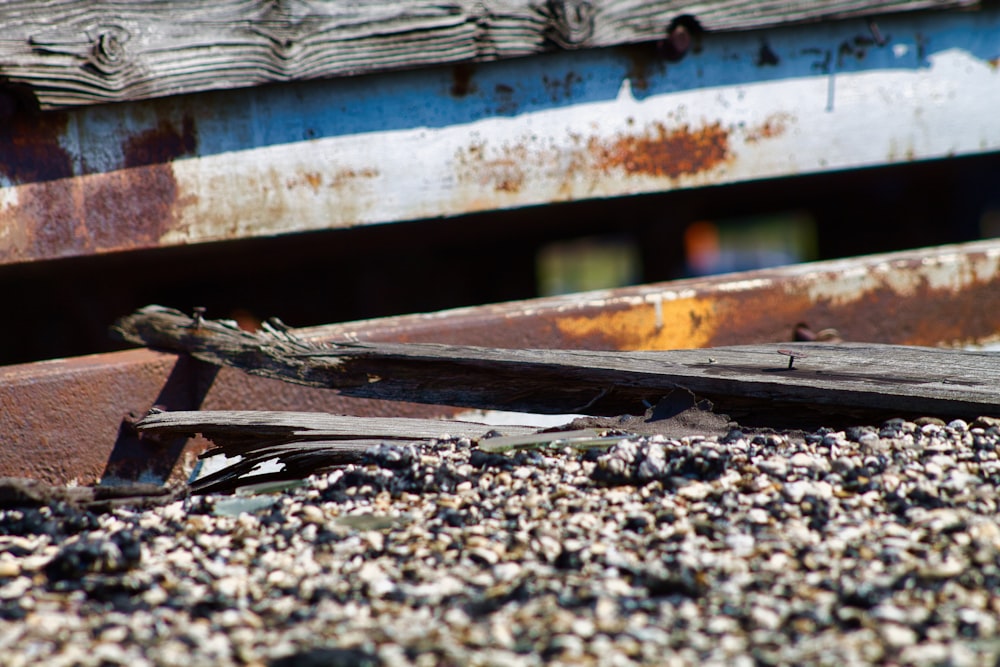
<point>302,443</point>
<point>844,377</point>
<point>71,52</point>
<point>237,430</point>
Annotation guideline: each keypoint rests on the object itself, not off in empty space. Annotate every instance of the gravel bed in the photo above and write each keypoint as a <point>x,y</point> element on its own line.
<point>874,545</point>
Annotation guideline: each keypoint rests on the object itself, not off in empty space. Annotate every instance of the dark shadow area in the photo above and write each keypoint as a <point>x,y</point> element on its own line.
<point>147,458</point>
<point>64,307</point>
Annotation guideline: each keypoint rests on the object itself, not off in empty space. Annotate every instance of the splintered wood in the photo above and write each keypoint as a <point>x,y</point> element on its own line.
<point>750,382</point>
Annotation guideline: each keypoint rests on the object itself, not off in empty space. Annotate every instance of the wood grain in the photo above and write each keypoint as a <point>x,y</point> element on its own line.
<point>73,52</point>
<point>240,430</point>
<point>303,443</point>
<point>860,377</point>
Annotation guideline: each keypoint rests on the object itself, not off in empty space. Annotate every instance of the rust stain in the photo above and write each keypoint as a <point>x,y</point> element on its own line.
<point>311,179</point>
<point>161,144</point>
<point>461,80</point>
<point>654,151</point>
<point>773,126</point>
<point>561,89</point>
<point>32,155</point>
<point>673,324</point>
<point>661,151</point>
<point>130,208</point>
<point>880,313</point>
<point>504,172</point>
<point>135,206</point>
<point>61,212</point>
<point>917,314</point>
<point>30,148</point>
<point>345,176</point>
<point>341,178</point>
<point>506,104</point>
<point>43,223</point>
<point>644,63</point>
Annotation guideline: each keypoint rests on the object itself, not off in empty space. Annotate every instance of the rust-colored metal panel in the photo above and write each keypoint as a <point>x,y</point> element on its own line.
<point>69,419</point>
<point>939,296</point>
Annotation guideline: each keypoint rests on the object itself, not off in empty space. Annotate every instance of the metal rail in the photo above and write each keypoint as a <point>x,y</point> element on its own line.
<point>71,419</point>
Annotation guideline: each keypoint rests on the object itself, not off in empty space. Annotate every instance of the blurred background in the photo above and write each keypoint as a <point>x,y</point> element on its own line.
<point>343,275</point>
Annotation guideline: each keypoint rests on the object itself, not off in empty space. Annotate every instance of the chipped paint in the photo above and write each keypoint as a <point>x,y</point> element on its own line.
<point>521,132</point>
<point>773,126</point>
<point>668,324</point>
<point>663,151</point>
<point>936,273</point>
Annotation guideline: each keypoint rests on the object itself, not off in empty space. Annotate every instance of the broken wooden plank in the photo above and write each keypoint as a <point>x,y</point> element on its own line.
<point>236,431</point>
<point>302,443</point>
<point>276,446</point>
<point>79,52</point>
<point>846,378</point>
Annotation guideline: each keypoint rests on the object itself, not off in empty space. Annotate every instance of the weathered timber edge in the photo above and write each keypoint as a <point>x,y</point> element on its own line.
<point>77,52</point>
<point>235,431</point>
<point>887,378</point>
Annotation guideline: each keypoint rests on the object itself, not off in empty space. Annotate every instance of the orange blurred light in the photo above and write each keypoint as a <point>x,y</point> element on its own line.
<point>701,247</point>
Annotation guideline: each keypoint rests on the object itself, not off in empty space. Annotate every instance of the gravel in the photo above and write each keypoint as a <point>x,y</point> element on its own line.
<point>872,545</point>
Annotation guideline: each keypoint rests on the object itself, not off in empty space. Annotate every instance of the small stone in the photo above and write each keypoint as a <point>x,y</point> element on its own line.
<point>313,514</point>
<point>942,569</point>
<point>986,422</point>
<point>776,466</point>
<point>9,569</point>
<point>741,544</point>
<point>507,571</point>
<point>869,440</point>
<point>695,491</point>
<point>765,618</point>
<point>897,636</point>
<point>803,460</point>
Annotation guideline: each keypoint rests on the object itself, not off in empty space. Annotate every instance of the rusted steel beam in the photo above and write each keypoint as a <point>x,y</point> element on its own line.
<point>948,296</point>
<point>69,419</point>
<point>560,127</point>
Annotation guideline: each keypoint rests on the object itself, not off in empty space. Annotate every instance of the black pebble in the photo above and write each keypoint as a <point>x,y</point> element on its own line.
<point>327,657</point>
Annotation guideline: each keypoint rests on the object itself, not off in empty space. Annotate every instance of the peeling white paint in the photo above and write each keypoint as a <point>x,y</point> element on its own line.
<point>773,129</point>
<point>560,127</point>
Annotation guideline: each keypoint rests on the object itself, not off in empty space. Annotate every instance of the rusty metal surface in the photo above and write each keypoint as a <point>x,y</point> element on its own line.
<point>68,419</point>
<point>523,132</point>
<point>940,296</point>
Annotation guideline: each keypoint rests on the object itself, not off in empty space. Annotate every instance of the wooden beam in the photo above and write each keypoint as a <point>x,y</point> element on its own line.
<point>72,52</point>
<point>559,127</point>
<point>835,378</point>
